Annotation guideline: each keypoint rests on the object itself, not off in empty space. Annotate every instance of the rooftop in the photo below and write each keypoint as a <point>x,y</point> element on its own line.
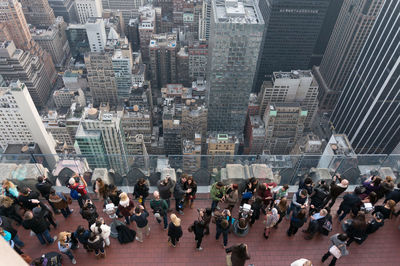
<point>237,11</point>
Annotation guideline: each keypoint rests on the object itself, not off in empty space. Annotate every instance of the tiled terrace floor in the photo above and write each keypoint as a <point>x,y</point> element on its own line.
<point>381,248</point>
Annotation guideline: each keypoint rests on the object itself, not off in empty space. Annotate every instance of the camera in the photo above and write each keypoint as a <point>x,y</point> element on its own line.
<point>245,211</point>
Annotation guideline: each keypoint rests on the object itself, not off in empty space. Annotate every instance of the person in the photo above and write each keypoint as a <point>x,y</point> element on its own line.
<point>371,184</point>
<point>96,243</point>
<point>126,207</point>
<point>42,211</point>
<point>100,188</point>
<point>217,194</point>
<point>174,230</point>
<point>198,229</point>
<point>9,189</point>
<point>141,191</point>
<point>7,237</point>
<point>296,221</point>
<point>249,190</point>
<point>113,197</point>
<point>371,198</point>
<point>60,202</point>
<point>385,187</point>
<point>266,194</point>
<point>282,192</point>
<point>205,216</point>
<point>231,196</point>
<point>237,255</point>
<point>301,262</point>
<point>100,228</point>
<point>65,245</point>
<point>165,189</point>
<point>39,226</point>
<point>281,206</point>
<point>356,229</point>
<point>350,202</point>
<point>190,185</point>
<point>179,193</point>
<point>222,226</point>
<point>336,189</point>
<point>160,209</point>
<point>299,201</point>
<point>44,186</point>
<point>307,184</point>
<point>318,197</point>
<point>7,224</point>
<point>78,183</point>
<point>271,219</point>
<point>28,199</point>
<point>339,242</point>
<point>140,217</point>
<point>82,235</point>
<point>89,212</point>
<point>387,210</point>
<point>376,223</point>
<point>8,208</point>
<point>393,195</point>
<point>257,207</point>
<point>316,223</point>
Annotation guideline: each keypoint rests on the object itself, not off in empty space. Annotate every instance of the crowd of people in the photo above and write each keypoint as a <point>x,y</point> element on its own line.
<point>26,207</point>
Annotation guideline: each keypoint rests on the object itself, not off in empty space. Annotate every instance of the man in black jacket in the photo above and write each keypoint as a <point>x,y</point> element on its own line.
<point>318,197</point>
<point>179,193</point>
<point>44,186</point>
<point>351,202</point>
<point>39,226</point>
<point>164,187</point>
<point>28,199</point>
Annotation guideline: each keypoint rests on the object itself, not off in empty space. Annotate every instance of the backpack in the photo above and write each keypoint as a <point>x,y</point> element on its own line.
<point>158,208</point>
<point>326,227</point>
<point>125,235</point>
<point>52,259</point>
<point>74,194</point>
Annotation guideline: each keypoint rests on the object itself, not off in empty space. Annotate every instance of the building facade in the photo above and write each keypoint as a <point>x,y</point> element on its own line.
<point>38,13</point>
<point>65,9</point>
<point>88,8</point>
<point>368,108</point>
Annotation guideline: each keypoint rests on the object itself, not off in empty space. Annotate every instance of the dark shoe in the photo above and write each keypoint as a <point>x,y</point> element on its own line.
<point>265,236</point>
<point>324,258</point>
<point>308,237</point>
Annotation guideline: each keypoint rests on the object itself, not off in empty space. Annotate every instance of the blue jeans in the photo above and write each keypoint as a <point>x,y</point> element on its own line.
<point>127,220</point>
<point>293,208</point>
<point>214,205</point>
<point>45,235</point>
<point>69,254</point>
<point>224,234</point>
<point>178,204</point>
<point>18,241</point>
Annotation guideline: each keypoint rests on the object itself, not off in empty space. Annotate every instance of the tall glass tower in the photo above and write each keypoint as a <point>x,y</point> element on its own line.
<point>368,110</point>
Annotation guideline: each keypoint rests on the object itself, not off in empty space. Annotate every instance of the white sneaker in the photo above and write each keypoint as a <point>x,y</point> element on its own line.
<point>200,249</point>
<point>137,238</point>
<point>73,261</point>
<point>55,238</point>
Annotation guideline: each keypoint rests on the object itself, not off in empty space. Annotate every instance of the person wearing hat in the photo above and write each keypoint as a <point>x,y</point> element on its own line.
<point>174,230</point>
<point>39,226</point>
<point>160,209</point>
<point>79,184</point>
<point>376,223</point>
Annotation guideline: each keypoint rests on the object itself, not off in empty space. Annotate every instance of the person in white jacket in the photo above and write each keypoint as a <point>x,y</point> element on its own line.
<point>100,228</point>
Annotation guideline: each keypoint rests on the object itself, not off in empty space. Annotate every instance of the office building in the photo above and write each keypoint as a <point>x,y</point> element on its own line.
<point>64,97</point>
<point>16,64</point>
<point>172,128</point>
<point>235,40</point>
<point>254,135</point>
<point>128,8</point>
<point>352,28</point>
<point>133,34</point>
<point>198,55</point>
<point>191,156</point>
<point>122,66</point>
<point>163,50</point>
<point>21,123</point>
<point>65,9</point>
<point>88,8</point>
<point>96,34</point>
<point>182,67</point>
<point>290,87</point>
<point>284,124</point>
<point>54,41</point>
<point>100,136</point>
<point>204,21</point>
<point>78,40</point>
<point>220,149</point>
<point>147,27</point>
<point>368,108</point>
<point>38,13</point>
<point>291,34</point>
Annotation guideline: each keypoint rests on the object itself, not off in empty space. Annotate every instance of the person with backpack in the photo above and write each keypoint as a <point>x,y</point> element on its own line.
<point>78,187</point>
<point>96,243</point>
<point>174,230</point>
<point>60,202</point>
<point>142,224</point>
<point>100,228</point>
<point>160,209</point>
<point>337,248</point>
<point>89,212</point>
<point>65,245</point>
<point>198,229</point>
<point>126,207</point>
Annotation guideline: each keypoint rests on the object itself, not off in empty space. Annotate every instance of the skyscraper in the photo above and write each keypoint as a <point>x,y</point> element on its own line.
<point>368,110</point>
<point>349,35</point>
<point>88,8</point>
<point>235,39</point>
<point>64,8</point>
<point>38,13</point>
<point>291,34</point>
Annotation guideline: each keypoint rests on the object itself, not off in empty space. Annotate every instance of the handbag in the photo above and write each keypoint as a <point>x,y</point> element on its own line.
<point>327,225</point>
<point>335,251</point>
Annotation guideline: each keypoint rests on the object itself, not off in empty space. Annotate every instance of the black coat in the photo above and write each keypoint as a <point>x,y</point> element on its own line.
<point>142,190</point>
<point>318,197</point>
<point>96,244</point>
<point>44,188</point>
<point>125,235</point>
<point>174,231</point>
<point>25,201</point>
<point>179,191</point>
<point>350,202</point>
<point>89,213</point>
<point>198,229</point>
<point>38,224</point>
<point>165,190</point>
<point>6,224</point>
<point>394,195</point>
